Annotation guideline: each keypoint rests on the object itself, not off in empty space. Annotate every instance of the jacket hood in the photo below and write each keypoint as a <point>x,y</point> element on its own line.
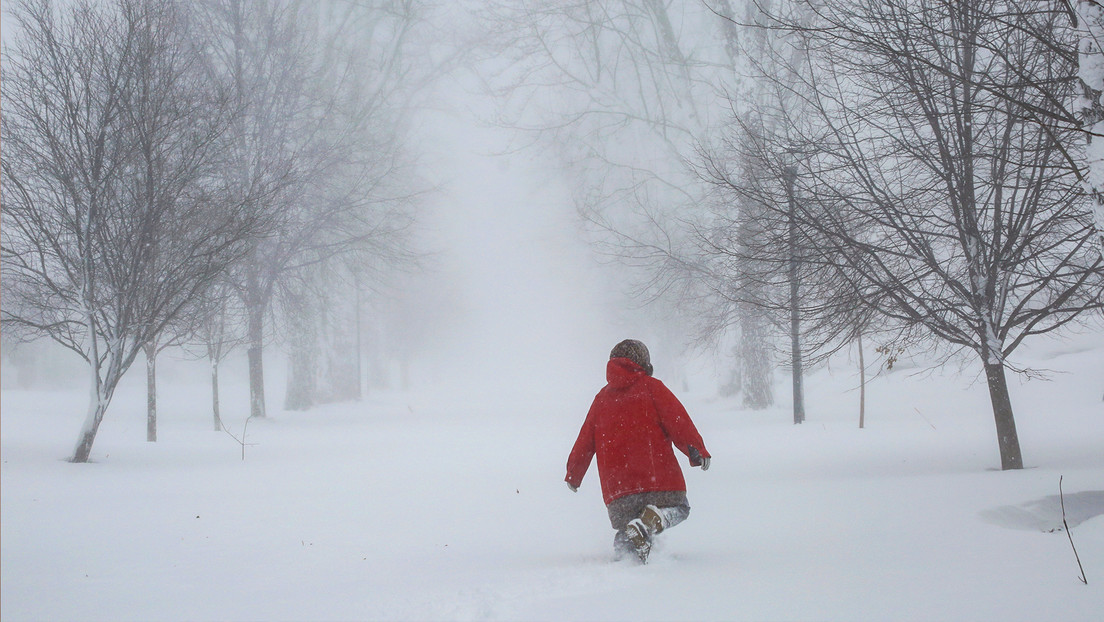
<point>622,372</point>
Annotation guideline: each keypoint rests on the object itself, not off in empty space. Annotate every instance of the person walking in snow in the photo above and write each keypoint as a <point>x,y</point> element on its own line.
<point>631,426</point>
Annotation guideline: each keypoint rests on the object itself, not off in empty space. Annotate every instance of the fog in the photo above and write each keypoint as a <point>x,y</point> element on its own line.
<point>479,199</point>
<point>340,281</point>
<point>523,305</point>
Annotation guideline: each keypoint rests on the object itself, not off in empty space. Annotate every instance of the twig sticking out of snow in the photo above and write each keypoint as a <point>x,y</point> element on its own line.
<point>241,441</point>
<point>1062,498</point>
<point>925,418</point>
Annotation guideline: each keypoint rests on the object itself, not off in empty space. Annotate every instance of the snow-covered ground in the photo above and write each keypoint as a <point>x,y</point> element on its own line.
<point>451,506</point>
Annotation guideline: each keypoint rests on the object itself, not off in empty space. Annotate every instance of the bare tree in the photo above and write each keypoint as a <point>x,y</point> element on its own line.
<point>729,241</point>
<point>320,84</point>
<point>756,260</point>
<point>371,191</point>
<point>258,49</point>
<point>218,320</point>
<point>113,219</point>
<point>1088,20</point>
<point>207,319</point>
<point>938,181</point>
<point>757,242</point>
<point>322,354</point>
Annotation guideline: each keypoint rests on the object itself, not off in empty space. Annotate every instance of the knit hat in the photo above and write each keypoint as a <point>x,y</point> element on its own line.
<point>635,351</point>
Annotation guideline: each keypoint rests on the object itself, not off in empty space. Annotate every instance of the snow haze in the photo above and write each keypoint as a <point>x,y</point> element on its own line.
<point>527,308</point>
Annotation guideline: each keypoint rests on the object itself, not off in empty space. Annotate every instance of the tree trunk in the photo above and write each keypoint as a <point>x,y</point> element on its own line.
<point>1089,22</point>
<point>1007,438</point>
<point>360,383</point>
<point>256,361</point>
<point>215,394</point>
<point>99,398</point>
<point>302,369</point>
<point>731,32</point>
<point>756,371</point>
<point>341,380</point>
<point>862,385</point>
<point>795,349</point>
<point>88,432</point>
<point>795,307</point>
<point>151,392</point>
<point>673,53</point>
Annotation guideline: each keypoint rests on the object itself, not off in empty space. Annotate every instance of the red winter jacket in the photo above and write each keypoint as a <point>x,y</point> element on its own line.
<point>630,427</point>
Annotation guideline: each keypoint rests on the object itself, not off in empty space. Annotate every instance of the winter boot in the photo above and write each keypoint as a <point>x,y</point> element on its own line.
<point>654,519</point>
<point>640,531</point>
<point>623,548</point>
<point>637,533</point>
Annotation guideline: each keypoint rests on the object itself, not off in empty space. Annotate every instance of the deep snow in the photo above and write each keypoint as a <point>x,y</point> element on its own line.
<point>451,506</point>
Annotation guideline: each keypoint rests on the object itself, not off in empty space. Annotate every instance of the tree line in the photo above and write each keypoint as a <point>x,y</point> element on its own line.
<point>797,175</point>
<point>790,178</point>
<point>207,173</point>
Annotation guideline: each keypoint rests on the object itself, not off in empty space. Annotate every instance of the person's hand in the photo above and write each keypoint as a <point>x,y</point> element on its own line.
<point>572,487</point>
<point>696,459</point>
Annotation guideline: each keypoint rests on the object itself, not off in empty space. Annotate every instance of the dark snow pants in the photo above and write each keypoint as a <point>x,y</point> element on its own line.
<point>673,505</point>
<point>623,510</point>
